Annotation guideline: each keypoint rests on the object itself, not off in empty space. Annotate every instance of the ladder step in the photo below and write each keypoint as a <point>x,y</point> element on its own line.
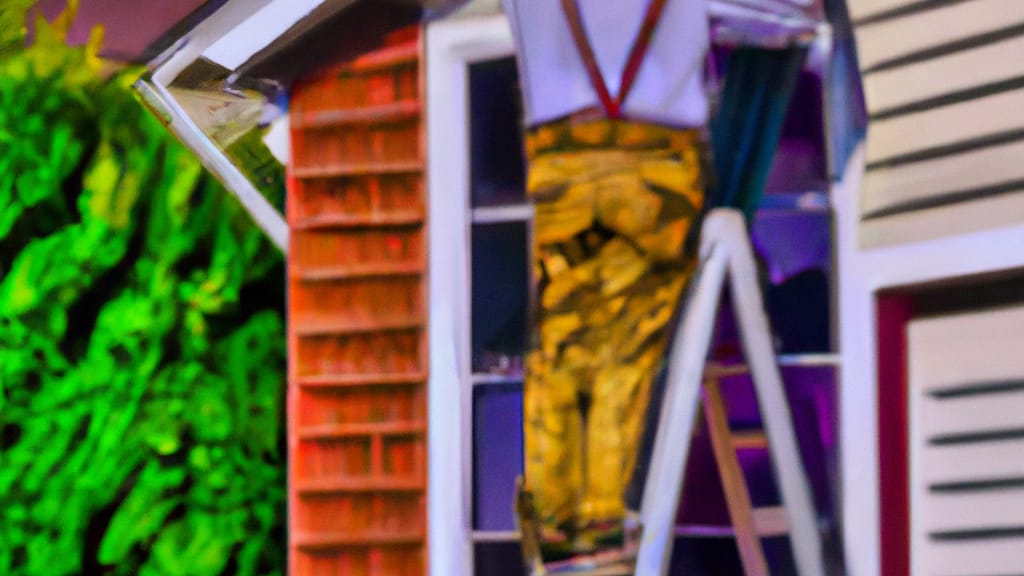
<point>717,371</point>
<point>771,521</point>
<point>616,570</point>
<point>749,440</point>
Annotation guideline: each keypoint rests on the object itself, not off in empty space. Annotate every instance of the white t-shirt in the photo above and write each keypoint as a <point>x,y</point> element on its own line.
<point>669,88</point>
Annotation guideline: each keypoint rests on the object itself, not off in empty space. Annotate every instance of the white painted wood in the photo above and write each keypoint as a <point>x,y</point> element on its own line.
<point>890,39</point>
<point>954,253</point>
<point>678,410</point>
<point>972,462</point>
<point>966,348</point>
<point>946,125</point>
<point>279,139</point>
<point>964,558</point>
<point>860,9</point>
<point>502,214</point>
<point>998,217</point>
<point>972,511</point>
<point>886,187</point>
<point>953,350</point>
<point>857,335</point>
<point>167,67</point>
<point>258,31</point>
<point>982,413</point>
<point>808,360</point>
<point>263,213</point>
<point>941,76</point>
<point>725,249</point>
<point>932,27</point>
<point>451,45</point>
<point>190,47</point>
<point>771,396</point>
<point>771,522</point>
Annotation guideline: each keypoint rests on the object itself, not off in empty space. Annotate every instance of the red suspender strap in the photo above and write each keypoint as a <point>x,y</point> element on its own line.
<point>639,51</point>
<point>579,35</point>
<point>613,105</point>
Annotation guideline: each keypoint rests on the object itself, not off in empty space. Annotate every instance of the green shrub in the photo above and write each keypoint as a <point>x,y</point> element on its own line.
<point>142,346</point>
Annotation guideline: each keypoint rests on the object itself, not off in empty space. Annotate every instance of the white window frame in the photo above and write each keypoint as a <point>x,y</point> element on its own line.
<point>452,45</point>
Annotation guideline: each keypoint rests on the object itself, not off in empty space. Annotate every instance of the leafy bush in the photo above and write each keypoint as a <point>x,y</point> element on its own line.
<point>142,346</point>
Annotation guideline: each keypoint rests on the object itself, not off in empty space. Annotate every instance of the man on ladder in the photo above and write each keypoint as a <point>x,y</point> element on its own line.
<point>616,109</point>
<point>615,171</point>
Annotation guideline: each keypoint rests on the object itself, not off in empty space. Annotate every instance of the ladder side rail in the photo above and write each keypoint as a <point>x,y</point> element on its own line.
<point>756,336</point>
<point>734,482</point>
<point>664,485</point>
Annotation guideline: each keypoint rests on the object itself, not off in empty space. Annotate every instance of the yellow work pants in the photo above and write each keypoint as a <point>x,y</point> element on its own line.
<point>615,204</point>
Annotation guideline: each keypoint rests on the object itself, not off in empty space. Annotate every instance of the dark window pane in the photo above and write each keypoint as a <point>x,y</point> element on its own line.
<point>498,559</point>
<point>800,164</point>
<point>496,167</point>
<point>795,248</point>
<point>811,395</point>
<point>499,296</point>
<point>497,454</point>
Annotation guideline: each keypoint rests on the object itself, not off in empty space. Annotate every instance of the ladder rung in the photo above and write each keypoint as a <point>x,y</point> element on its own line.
<point>715,371</point>
<point>749,440</point>
<point>617,570</point>
<point>771,521</point>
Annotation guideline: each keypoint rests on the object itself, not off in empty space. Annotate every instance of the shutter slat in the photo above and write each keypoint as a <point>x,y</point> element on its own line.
<point>958,512</point>
<point>970,557</point>
<point>971,463</point>
<point>963,415</point>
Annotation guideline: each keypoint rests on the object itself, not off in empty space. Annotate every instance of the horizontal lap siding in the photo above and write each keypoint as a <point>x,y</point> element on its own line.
<point>898,38</point>
<point>944,83</point>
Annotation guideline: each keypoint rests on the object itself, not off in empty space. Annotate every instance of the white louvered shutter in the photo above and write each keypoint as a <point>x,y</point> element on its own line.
<point>966,402</point>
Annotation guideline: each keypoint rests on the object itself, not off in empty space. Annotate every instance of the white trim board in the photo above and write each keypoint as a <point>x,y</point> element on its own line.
<point>258,31</point>
<point>226,35</point>
<point>181,125</point>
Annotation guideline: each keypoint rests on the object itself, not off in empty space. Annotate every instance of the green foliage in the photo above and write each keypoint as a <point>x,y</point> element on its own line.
<point>141,340</point>
<point>12,25</point>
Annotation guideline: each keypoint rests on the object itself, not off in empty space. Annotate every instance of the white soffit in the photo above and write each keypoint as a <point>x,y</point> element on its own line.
<point>258,31</point>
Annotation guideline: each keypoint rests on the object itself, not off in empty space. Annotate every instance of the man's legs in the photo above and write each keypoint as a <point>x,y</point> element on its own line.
<point>614,206</point>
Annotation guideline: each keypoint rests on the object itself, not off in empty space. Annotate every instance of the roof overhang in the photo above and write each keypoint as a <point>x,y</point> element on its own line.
<point>222,72</point>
